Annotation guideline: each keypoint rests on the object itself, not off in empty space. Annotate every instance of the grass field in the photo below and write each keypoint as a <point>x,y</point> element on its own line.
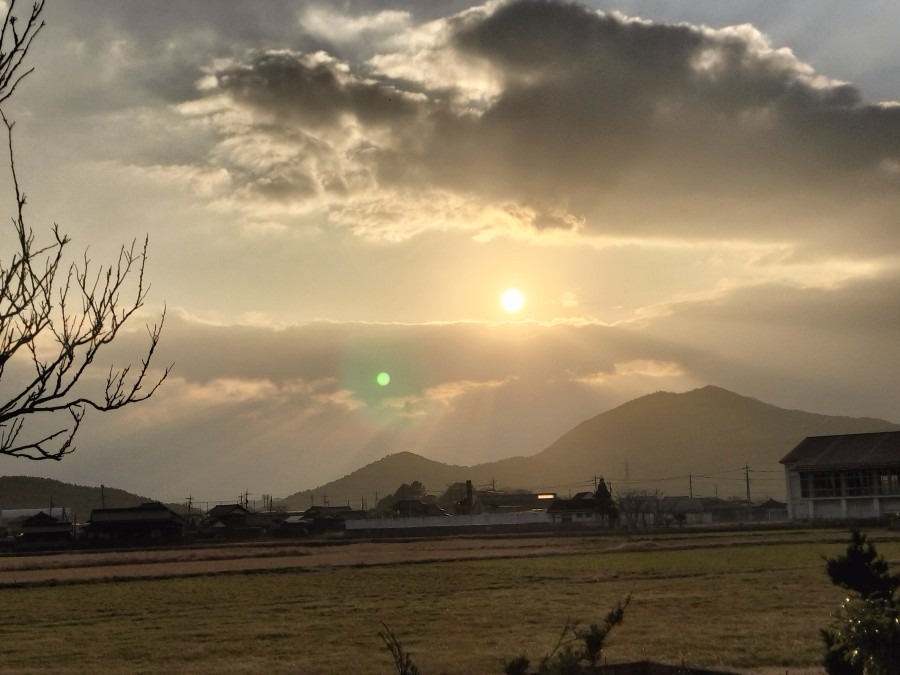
<point>751,602</point>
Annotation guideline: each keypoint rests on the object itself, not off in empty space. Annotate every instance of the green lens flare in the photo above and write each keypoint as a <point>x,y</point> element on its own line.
<point>383,379</point>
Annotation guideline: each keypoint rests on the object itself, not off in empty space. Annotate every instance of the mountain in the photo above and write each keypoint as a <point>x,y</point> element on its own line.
<point>27,492</point>
<point>700,440</point>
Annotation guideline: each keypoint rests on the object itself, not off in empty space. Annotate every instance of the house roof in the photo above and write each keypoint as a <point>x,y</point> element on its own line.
<point>326,510</point>
<point>226,510</point>
<point>846,451</point>
<point>146,512</point>
<point>42,518</point>
<point>11,515</point>
<point>772,504</point>
<point>580,503</point>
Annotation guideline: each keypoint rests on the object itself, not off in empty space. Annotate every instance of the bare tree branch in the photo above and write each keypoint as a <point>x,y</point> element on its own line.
<point>56,319</point>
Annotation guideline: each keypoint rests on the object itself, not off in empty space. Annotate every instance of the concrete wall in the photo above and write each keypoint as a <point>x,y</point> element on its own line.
<point>479,520</point>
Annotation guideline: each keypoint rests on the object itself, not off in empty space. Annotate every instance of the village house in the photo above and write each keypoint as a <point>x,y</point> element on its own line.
<point>582,508</point>
<point>493,501</point>
<point>235,521</point>
<point>151,522</point>
<point>849,476</point>
<point>12,520</point>
<point>416,508</point>
<point>45,530</point>
<point>319,520</point>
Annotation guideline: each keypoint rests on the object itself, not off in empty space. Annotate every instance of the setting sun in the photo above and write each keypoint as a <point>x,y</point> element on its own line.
<point>512,300</point>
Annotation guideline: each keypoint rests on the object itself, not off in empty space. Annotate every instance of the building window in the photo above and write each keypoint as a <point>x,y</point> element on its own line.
<point>820,484</point>
<point>889,482</point>
<point>859,483</point>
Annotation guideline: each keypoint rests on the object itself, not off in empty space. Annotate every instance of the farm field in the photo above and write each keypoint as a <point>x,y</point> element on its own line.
<point>749,601</point>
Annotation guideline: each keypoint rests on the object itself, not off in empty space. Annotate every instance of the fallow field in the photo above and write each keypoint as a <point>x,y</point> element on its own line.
<point>749,601</point>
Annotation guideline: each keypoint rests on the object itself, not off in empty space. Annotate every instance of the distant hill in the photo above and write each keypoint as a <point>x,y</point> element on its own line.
<point>27,492</point>
<point>663,436</point>
<point>380,479</point>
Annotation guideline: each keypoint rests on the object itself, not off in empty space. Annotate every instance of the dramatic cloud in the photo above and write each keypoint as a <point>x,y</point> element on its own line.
<point>591,121</point>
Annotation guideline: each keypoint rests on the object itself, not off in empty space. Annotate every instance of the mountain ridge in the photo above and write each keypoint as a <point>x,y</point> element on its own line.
<point>705,441</point>
<point>661,440</point>
<point>32,492</point>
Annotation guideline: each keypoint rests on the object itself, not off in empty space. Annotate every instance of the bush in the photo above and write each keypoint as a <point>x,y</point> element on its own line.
<point>574,647</point>
<point>864,638</point>
<point>402,660</point>
<point>518,666</point>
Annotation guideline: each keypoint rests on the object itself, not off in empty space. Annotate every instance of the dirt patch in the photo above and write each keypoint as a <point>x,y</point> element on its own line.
<point>79,566</point>
<point>83,566</point>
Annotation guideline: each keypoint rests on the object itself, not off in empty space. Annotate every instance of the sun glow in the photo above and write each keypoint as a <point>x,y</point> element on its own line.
<point>512,300</point>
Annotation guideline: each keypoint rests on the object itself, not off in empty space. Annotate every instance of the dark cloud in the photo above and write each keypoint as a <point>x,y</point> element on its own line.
<point>649,127</point>
<point>420,356</point>
<point>631,126</point>
<point>312,93</point>
<point>828,350</point>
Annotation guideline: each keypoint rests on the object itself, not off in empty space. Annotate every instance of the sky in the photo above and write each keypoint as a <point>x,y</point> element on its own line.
<point>684,192</point>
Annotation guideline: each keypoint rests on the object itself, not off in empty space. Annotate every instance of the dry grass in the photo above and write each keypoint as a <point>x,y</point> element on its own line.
<point>752,602</point>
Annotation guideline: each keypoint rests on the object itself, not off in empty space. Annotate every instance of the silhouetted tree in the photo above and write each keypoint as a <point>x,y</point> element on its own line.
<point>455,500</point>
<point>605,505</point>
<point>55,318</point>
<point>862,570</point>
<point>636,505</point>
<point>865,635</point>
<point>414,490</point>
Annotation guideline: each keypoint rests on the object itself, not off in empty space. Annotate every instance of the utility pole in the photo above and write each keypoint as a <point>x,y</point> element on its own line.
<point>747,477</point>
<point>691,485</point>
<point>102,496</point>
<point>189,500</point>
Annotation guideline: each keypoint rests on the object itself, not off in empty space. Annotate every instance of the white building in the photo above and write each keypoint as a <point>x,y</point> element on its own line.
<point>844,477</point>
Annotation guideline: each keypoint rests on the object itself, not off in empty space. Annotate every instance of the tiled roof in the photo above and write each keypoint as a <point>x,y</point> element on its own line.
<point>147,512</point>
<point>9,515</point>
<point>579,503</point>
<point>226,510</point>
<point>846,451</point>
